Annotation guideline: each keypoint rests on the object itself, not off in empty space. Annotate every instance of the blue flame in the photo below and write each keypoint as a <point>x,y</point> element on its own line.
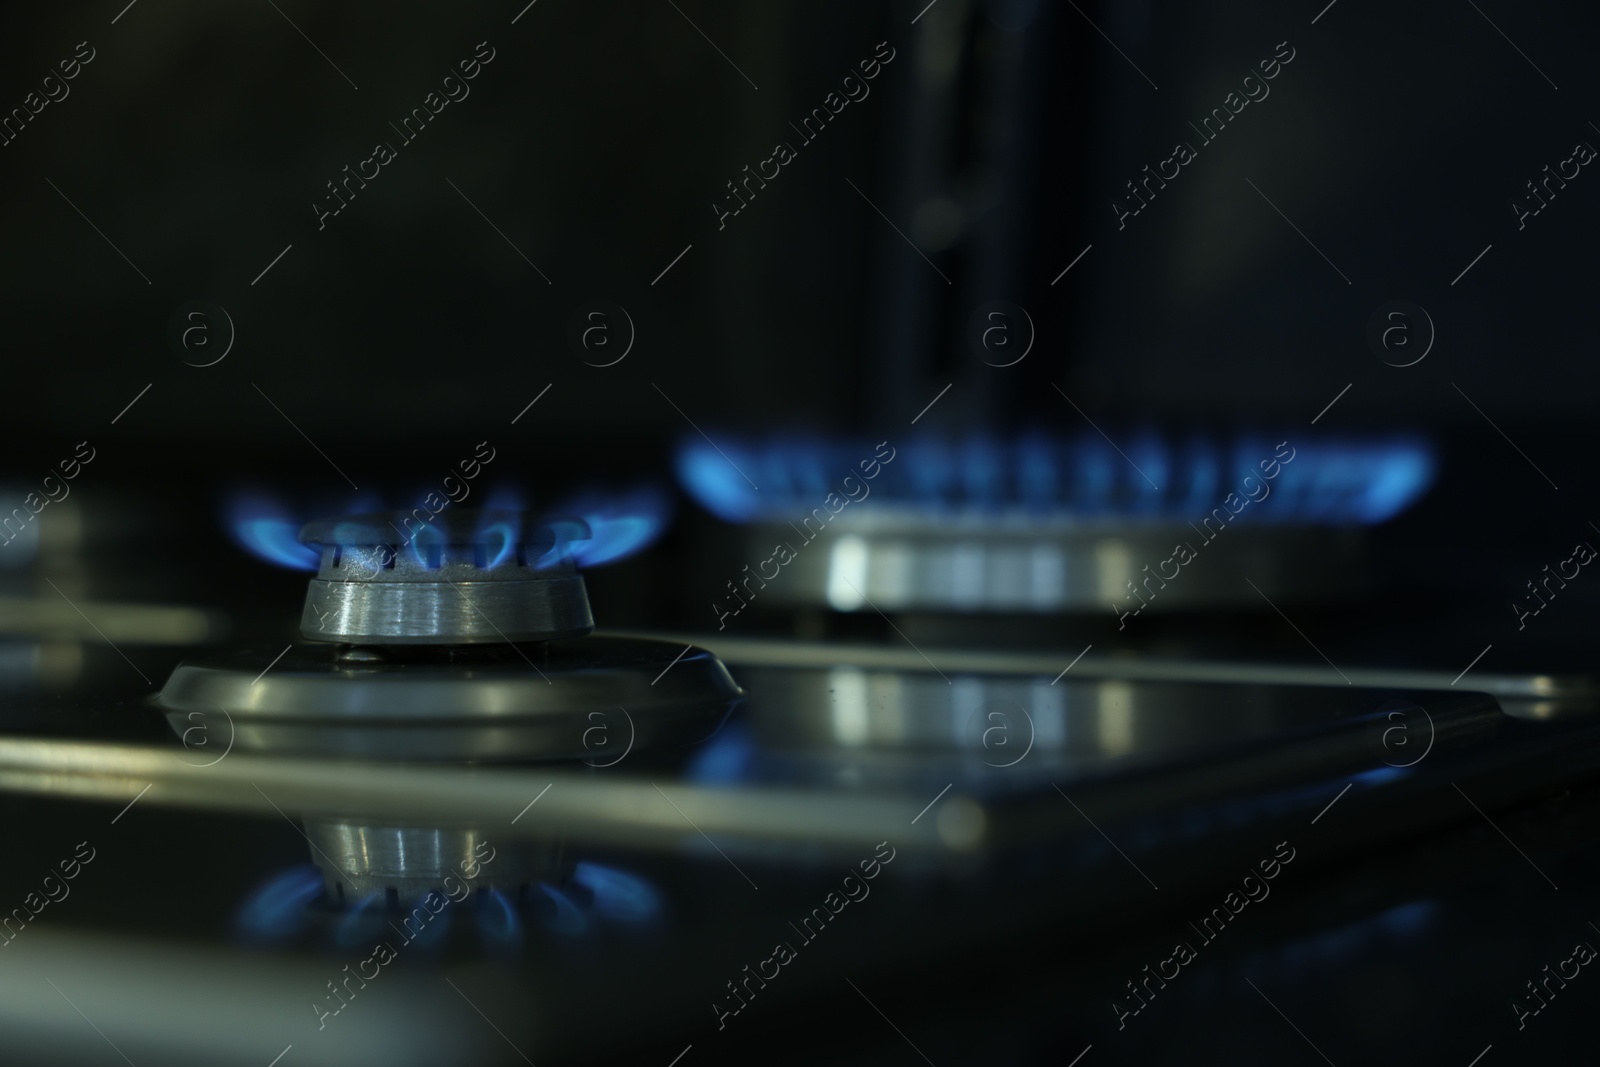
<point>427,546</point>
<point>568,918</point>
<point>568,532</point>
<point>265,527</point>
<point>499,539</point>
<point>277,908</point>
<point>619,525</point>
<point>1153,478</point>
<point>1400,481</point>
<point>496,554</point>
<point>712,480</point>
<point>617,894</point>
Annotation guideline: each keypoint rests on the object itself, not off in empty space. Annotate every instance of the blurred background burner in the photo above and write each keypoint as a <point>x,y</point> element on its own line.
<point>1043,525</point>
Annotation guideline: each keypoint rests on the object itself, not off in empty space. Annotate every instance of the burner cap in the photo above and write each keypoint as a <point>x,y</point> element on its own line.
<point>463,577</point>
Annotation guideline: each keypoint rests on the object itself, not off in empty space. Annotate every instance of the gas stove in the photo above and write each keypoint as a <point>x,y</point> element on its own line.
<point>905,615</point>
<point>451,799</point>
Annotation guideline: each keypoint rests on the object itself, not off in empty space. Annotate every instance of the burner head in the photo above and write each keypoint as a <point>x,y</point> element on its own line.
<point>464,577</point>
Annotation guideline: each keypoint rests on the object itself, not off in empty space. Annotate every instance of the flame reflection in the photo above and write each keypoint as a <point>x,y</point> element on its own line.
<point>567,918</point>
<point>618,895</point>
<point>278,908</point>
<point>498,921</point>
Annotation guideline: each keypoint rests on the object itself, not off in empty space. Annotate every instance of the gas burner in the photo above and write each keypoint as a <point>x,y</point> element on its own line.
<point>468,577</point>
<point>468,641</point>
<point>1044,525</point>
